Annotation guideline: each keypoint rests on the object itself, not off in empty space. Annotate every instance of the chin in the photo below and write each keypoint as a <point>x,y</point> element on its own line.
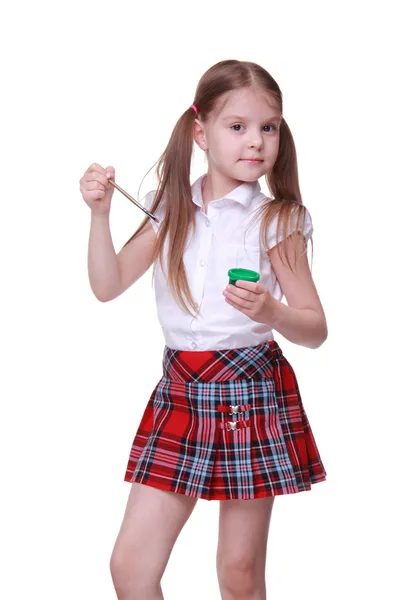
<point>252,172</point>
<point>249,177</point>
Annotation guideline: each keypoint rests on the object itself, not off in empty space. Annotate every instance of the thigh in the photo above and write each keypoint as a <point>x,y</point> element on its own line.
<point>152,522</point>
<point>243,533</point>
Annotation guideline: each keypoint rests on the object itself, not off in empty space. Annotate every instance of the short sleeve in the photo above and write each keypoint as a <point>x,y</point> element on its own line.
<point>159,213</point>
<point>274,237</point>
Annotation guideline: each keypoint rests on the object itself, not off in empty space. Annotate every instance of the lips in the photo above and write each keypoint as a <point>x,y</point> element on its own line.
<point>252,159</point>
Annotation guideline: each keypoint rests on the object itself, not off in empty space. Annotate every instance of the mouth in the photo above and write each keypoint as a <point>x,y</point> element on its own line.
<point>252,160</point>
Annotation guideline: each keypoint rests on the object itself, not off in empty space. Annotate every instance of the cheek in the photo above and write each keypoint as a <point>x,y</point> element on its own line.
<point>222,149</point>
<point>233,147</point>
<point>273,149</point>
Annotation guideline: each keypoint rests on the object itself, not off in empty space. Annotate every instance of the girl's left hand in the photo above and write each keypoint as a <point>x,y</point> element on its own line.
<point>252,299</point>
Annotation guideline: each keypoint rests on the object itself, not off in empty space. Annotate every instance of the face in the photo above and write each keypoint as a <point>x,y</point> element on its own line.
<point>241,140</point>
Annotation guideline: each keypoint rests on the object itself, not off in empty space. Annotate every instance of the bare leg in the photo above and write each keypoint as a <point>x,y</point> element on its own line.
<point>242,548</point>
<point>152,523</point>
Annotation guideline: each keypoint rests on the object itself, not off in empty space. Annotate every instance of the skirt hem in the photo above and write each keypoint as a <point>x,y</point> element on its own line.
<point>202,496</point>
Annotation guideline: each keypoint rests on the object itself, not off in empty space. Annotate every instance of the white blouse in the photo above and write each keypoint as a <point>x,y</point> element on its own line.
<point>220,243</point>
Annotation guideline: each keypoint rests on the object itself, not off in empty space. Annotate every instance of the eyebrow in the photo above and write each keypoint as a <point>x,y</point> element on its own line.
<point>241,118</point>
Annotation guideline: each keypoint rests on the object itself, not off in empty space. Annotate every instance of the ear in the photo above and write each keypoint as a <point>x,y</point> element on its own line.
<point>199,135</point>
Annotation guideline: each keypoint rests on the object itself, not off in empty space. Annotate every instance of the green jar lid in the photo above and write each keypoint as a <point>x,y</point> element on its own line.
<point>243,274</point>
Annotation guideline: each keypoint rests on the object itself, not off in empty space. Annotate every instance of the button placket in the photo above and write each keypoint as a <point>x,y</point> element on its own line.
<point>199,282</point>
<point>202,262</point>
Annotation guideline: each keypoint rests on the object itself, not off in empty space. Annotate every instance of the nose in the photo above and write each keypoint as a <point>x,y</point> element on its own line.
<point>255,140</point>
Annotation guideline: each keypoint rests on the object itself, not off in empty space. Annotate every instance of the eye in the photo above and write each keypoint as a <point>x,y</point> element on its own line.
<point>237,125</point>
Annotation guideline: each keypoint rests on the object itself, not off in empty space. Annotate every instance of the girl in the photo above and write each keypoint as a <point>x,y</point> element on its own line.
<point>226,420</point>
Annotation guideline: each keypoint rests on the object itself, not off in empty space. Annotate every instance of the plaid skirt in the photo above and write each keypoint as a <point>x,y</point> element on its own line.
<point>226,424</point>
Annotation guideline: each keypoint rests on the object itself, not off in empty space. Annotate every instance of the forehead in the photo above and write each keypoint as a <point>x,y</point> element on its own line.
<point>246,102</point>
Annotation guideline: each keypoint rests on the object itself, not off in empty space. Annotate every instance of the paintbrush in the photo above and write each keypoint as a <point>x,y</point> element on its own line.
<point>133,200</point>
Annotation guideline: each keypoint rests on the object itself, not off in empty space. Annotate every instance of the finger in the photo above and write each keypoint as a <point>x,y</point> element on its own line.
<point>240,293</point>
<point>256,288</point>
<point>96,195</point>
<point>240,304</point>
<point>95,167</point>
<point>97,177</point>
<point>95,185</point>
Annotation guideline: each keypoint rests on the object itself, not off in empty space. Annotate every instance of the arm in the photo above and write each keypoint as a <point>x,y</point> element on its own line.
<point>303,320</point>
<point>110,274</point>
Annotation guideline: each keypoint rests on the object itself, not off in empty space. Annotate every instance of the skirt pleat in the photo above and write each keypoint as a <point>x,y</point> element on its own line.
<point>226,424</point>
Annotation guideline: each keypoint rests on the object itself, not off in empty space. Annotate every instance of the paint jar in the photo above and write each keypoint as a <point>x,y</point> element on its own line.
<point>242,274</point>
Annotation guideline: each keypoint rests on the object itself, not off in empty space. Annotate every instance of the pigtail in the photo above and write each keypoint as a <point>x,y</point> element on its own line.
<point>173,174</point>
<point>174,192</point>
<point>287,206</point>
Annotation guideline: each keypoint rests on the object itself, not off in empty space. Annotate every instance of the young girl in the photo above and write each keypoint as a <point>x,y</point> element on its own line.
<point>226,420</point>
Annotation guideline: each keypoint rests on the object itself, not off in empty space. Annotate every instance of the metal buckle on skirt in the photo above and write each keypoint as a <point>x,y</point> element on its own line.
<point>234,410</point>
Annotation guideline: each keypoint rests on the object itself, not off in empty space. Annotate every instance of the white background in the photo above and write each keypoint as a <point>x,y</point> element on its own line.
<point>105,82</point>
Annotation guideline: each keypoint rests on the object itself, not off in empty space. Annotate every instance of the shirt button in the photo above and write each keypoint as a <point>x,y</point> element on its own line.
<point>207,223</point>
<point>202,263</point>
<point>194,345</point>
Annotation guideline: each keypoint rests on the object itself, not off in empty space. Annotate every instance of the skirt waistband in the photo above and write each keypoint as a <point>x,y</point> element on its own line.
<point>255,362</point>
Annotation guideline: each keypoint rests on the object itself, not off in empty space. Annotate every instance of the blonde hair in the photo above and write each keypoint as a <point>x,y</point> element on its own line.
<point>173,174</point>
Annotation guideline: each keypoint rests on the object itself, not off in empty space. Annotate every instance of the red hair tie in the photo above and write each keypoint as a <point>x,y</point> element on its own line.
<point>195,109</point>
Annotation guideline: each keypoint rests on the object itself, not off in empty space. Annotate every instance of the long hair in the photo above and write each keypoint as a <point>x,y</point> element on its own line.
<point>173,174</point>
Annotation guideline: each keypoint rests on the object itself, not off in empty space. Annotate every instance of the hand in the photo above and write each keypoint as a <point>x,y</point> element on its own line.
<point>253,300</point>
<point>96,189</point>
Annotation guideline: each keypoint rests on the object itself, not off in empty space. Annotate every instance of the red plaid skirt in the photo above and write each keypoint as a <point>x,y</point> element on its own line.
<point>226,424</point>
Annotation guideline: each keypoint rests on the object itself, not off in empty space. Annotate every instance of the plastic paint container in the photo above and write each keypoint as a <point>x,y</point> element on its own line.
<point>242,274</point>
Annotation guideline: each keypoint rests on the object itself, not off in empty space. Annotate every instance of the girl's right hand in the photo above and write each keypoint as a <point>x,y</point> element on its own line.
<point>96,189</point>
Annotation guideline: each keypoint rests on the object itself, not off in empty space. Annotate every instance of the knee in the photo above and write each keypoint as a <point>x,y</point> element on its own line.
<point>129,574</point>
<point>121,572</point>
<point>118,564</point>
<point>238,577</point>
